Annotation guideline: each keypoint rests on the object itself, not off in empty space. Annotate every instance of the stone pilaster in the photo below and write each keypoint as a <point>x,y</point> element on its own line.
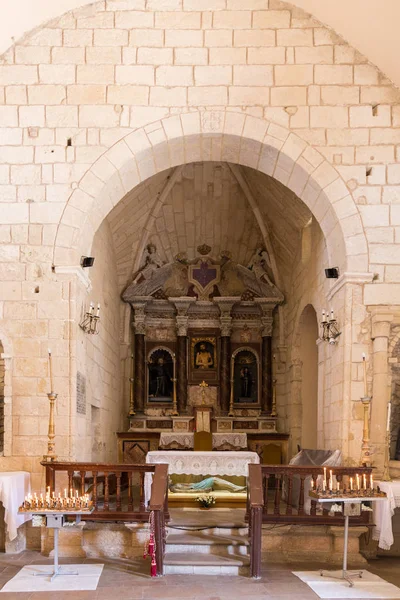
<point>266,359</point>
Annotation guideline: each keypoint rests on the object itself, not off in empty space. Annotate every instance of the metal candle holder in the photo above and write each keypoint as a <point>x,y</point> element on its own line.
<point>386,472</point>
<point>365,446</point>
<point>51,455</point>
<point>90,321</point>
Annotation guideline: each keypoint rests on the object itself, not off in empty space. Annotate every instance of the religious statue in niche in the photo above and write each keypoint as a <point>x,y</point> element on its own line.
<point>160,375</point>
<point>245,376</point>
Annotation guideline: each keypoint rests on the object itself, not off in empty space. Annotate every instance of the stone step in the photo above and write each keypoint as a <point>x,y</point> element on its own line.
<point>197,563</point>
<point>202,538</point>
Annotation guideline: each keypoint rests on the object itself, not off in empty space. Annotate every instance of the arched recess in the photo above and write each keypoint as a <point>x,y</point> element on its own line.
<point>221,136</point>
<point>308,332</point>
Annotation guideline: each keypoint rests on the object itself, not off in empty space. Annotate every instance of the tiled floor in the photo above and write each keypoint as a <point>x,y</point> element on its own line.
<point>124,580</point>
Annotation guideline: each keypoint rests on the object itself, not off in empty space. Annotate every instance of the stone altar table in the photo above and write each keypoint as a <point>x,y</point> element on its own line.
<point>200,463</point>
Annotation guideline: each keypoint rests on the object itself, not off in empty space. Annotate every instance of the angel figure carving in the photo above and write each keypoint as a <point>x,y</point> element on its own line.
<point>151,260</point>
<point>259,263</point>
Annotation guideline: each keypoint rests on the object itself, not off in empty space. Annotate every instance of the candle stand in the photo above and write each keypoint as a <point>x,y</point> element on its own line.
<point>55,521</point>
<point>365,446</point>
<point>351,508</point>
<point>386,472</point>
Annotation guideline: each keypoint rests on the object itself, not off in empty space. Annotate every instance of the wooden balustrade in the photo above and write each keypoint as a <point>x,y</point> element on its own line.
<point>277,494</point>
<point>117,490</point>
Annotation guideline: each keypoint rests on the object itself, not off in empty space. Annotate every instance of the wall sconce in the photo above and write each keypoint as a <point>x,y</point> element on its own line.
<point>90,320</point>
<point>330,331</point>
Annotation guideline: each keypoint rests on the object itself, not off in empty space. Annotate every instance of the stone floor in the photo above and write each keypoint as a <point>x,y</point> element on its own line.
<point>124,580</point>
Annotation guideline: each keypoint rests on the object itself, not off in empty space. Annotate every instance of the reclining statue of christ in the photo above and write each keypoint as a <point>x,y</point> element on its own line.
<point>207,485</point>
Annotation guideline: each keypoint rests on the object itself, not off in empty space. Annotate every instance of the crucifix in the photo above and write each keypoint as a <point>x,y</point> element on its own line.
<point>203,385</point>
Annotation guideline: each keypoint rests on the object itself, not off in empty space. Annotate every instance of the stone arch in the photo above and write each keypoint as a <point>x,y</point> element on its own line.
<point>222,136</point>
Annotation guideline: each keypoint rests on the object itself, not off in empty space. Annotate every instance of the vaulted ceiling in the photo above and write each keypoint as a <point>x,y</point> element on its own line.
<point>225,206</point>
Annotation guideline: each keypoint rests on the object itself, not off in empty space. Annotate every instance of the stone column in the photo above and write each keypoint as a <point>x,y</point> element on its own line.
<point>182,323</point>
<point>266,307</point>
<point>381,322</point>
<point>225,306</point>
<point>139,325</point>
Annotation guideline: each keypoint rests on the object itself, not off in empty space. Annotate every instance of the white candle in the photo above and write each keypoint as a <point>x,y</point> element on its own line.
<point>91,307</point>
<point>337,486</point>
<point>312,483</point>
<point>365,376</point>
<point>351,484</point>
<point>325,475</point>
<point>98,310</point>
<point>358,481</point>
<point>51,372</point>
<point>330,480</point>
<point>332,317</point>
<point>364,481</point>
<point>371,482</point>
<point>389,412</point>
<point>323,316</point>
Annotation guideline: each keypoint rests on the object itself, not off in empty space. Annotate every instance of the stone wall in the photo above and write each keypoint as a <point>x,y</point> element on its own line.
<point>99,100</point>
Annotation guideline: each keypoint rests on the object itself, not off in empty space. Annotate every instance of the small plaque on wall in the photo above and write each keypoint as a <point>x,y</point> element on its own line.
<point>80,393</point>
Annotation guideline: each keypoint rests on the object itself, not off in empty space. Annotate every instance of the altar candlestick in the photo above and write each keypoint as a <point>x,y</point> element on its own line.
<point>389,413</point>
<point>351,484</point>
<point>51,372</point>
<point>365,376</point>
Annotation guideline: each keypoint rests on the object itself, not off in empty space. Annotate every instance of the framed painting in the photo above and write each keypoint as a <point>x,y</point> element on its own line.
<point>203,358</point>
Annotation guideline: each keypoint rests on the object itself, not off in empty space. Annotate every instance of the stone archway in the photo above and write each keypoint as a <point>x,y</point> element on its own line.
<point>214,135</point>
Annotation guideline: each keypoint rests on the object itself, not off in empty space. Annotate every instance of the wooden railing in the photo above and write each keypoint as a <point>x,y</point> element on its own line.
<point>117,490</point>
<point>268,504</point>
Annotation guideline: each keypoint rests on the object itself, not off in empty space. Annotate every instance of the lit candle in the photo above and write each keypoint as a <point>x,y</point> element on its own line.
<point>371,482</point>
<point>51,372</point>
<point>389,413</point>
<point>325,475</point>
<point>358,481</point>
<point>330,479</point>
<point>91,307</point>
<point>337,486</point>
<point>351,484</point>
<point>65,493</point>
<point>364,481</point>
<point>365,376</point>
<point>98,310</point>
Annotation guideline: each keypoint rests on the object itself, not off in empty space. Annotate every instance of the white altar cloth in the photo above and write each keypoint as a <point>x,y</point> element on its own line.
<point>237,440</point>
<point>14,486</point>
<point>383,513</point>
<point>200,463</point>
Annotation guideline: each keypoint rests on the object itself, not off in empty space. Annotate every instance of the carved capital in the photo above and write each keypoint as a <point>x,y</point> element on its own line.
<point>182,304</point>
<point>139,317</point>
<point>225,304</point>
<point>267,323</point>
<point>182,324</point>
